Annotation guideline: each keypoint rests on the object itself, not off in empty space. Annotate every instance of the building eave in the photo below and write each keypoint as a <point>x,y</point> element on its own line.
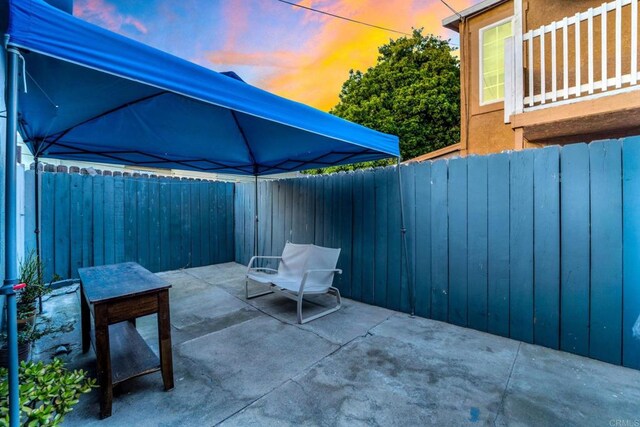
<point>453,22</point>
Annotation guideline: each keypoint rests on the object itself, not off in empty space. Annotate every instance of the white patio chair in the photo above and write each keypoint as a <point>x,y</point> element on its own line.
<point>303,270</point>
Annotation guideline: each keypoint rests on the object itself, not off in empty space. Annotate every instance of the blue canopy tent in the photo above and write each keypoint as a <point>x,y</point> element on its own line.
<point>76,91</point>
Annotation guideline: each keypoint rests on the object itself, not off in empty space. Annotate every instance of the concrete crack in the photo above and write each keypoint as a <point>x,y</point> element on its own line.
<point>506,387</point>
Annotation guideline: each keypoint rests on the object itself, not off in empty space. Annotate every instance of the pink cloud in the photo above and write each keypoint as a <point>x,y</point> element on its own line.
<point>106,15</point>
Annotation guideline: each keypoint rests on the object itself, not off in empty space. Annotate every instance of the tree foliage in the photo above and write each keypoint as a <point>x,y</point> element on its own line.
<point>413,91</point>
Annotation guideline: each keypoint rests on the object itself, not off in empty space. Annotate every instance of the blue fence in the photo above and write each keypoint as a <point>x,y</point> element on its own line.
<point>542,246</point>
<point>163,224</point>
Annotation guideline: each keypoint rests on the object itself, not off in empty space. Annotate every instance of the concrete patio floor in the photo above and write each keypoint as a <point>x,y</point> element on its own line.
<point>241,363</point>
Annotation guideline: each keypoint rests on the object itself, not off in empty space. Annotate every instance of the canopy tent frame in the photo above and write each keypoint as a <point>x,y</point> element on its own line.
<point>31,34</point>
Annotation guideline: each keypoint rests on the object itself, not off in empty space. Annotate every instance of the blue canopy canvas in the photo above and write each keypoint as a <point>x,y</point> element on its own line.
<point>93,95</point>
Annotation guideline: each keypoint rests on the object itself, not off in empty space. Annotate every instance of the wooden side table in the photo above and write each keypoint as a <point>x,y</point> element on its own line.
<point>116,295</point>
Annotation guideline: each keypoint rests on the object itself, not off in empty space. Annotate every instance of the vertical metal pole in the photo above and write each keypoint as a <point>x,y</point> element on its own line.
<point>405,254</point>
<point>36,191</point>
<point>255,227</point>
<point>10,250</point>
<point>36,194</point>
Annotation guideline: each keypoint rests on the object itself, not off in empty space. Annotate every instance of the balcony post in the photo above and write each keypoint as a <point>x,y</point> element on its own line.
<point>518,50</point>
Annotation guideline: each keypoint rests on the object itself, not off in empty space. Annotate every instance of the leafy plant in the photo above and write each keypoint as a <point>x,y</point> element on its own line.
<point>32,334</point>
<point>31,274</point>
<point>47,392</point>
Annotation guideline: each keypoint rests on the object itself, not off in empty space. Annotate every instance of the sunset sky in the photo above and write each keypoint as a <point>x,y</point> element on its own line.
<point>295,53</point>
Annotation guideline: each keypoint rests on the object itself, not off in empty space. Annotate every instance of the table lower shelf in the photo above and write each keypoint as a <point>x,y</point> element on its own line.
<point>131,356</point>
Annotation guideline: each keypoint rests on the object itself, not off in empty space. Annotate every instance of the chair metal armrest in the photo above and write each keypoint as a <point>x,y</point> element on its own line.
<point>253,258</point>
<point>323,270</point>
<point>263,269</point>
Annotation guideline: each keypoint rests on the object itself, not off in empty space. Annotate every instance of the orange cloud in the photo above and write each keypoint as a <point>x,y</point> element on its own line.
<point>282,59</point>
<point>316,77</point>
<point>106,15</point>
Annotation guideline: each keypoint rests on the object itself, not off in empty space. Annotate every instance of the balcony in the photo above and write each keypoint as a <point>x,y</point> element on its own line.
<point>577,76</point>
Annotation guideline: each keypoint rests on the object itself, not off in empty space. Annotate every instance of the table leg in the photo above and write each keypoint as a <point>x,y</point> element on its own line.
<point>164,337</point>
<point>86,321</point>
<point>103,359</point>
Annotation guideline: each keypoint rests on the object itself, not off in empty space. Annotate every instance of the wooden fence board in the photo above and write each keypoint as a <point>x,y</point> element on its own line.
<point>309,211</point>
<point>175,229</point>
<point>142,222</point>
<point>29,206</point>
<point>381,238</point>
<point>477,238</point>
<point>423,239</point>
<point>394,241</point>
<point>575,249</point>
<point>108,216</point>
<point>606,252</point>
<point>87,222</point>
<point>227,226</point>
<point>409,266</point>
<point>631,233</point>
<point>62,225</point>
<point>47,225</point>
<point>165,224</point>
<point>368,237</point>
<point>214,230</point>
<point>318,233</point>
<point>521,246</point>
<point>546,183</point>
<point>358,262</point>
<point>98,222</point>
<point>205,233</point>
<point>130,220</point>
<point>76,223</point>
<point>185,223</point>
<point>288,210</point>
<point>498,219</point>
<point>155,234</point>
<point>196,231</point>
<point>118,223</point>
<point>457,209</point>
<point>439,242</point>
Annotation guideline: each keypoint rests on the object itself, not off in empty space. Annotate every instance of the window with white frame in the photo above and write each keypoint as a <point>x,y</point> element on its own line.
<point>492,61</point>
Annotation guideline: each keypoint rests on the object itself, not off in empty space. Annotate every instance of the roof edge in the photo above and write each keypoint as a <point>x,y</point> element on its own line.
<point>453,22</point>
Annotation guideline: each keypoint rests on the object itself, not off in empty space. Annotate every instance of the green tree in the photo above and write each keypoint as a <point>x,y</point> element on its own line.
<point>413,91</point>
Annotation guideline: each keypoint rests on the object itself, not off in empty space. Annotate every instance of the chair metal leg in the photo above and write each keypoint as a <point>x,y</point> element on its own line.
<point>333,291</point>
<point>246,291</point>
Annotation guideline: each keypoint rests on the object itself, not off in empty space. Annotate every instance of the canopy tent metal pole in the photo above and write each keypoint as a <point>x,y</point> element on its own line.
<point>36,231</point>
<point>405,254</point>
<point>255,226</point>
<point>10,222</point>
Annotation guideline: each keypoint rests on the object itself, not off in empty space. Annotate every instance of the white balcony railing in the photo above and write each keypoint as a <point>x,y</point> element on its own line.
<point>559,70</point>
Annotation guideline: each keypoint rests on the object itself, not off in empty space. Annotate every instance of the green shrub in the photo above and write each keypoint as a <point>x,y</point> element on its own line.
<point>47,392</point>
